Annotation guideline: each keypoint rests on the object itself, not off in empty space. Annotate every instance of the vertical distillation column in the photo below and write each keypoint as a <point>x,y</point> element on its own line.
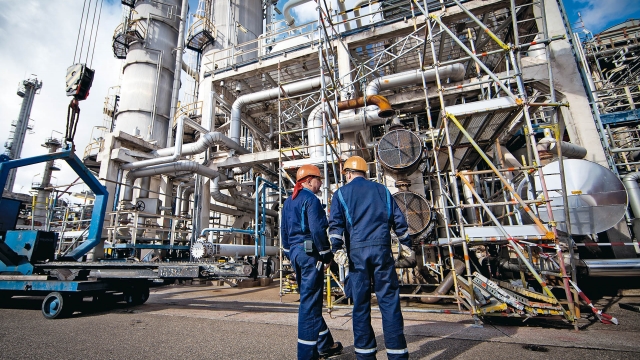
<point>40,211</point>
<point>27,91</point>
<point>145,97</point>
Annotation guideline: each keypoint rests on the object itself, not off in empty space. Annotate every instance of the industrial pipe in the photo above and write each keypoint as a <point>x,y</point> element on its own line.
<point>186,193</point>
<point>611,267</point>
<point>356,11</point>
<point>547,147</point>
<point>287,9</point>
<point>265,95</point>
<point>237,202</point>
<point>414,77</point>
<point>176,150</point>
<point>204,142</point>
<point>178,166</point>
<point>345,17</point>
<point>630,182</point>
<point>347,122</point>
<point>446,284</point>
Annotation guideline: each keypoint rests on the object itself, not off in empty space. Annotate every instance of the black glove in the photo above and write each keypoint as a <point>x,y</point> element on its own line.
<point>326,258</point>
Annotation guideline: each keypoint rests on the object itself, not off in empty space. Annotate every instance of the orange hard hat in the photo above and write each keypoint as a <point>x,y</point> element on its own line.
<point>355,163</point>
<point>307,170</point>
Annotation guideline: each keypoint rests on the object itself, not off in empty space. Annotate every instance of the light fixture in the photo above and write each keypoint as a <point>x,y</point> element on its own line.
<point>277,10</point>
<point>242,28</point>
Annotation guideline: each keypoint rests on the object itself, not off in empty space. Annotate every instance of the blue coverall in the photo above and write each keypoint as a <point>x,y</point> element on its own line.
<point>303,218</point>
<point>363,212</point>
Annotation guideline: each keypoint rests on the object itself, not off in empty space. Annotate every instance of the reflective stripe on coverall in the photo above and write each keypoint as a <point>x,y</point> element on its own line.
<point>303,218</point>
<point>362,213</point>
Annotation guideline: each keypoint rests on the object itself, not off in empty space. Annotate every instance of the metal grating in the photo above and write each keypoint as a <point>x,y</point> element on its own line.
<point>416,209</point>
<point>399,149</point>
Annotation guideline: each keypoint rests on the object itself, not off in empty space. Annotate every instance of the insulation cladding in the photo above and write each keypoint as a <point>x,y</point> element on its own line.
<point>231,18</point>
<point>148,71</point>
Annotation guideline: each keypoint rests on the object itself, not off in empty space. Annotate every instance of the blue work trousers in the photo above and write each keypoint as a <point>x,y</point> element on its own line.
<point>313,334</point>
<point>376,263</point>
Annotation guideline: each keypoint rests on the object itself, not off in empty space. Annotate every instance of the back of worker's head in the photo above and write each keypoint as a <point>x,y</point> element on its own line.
<point>304,179</point>
<point>354,167</point>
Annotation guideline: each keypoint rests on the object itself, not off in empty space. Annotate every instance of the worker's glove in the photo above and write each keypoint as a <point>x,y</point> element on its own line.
<point>326,258</point>
<point>406,257</point>
<point>341,258</point>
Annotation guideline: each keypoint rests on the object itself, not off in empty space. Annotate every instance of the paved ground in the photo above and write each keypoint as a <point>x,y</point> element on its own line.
<point>223,323</point>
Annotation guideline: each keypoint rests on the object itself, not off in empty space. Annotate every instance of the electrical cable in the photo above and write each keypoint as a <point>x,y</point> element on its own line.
<point>79,29</point>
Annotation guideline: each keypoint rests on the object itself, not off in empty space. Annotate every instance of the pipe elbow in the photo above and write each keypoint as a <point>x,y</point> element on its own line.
<point>384,107</point>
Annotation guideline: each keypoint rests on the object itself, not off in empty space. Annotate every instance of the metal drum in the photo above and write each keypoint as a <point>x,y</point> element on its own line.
<point>416,209</point>
<point>400,151</point>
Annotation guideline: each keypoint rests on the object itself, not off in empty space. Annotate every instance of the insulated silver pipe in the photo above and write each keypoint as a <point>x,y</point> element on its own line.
<point>237,202</point>
<point>611,267</point>
<point>178,166</point>
<point>286,10</point>
<point>204,142</point>
<point>356,11</point>
<point>177,151</point>
<point>446,284</point>
<point>345,17</point>
<point>265,95</point>
<point>630,182</point>
<point>186,193</point>
<point>454,72</point>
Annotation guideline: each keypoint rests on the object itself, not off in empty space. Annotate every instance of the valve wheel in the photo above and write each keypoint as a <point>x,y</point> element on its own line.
<point>140,205</point>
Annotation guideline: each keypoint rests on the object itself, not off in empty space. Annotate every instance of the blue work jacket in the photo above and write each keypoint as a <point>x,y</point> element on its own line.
<point>303,218</point>
<point>366,211</point>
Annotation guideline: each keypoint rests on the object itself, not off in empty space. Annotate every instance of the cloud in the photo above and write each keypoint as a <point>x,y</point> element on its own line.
<point>600,14</point>
<point>307,12</point>
<point>39,37</point>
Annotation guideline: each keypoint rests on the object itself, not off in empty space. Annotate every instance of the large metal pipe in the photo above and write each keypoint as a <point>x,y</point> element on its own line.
<point>237,202</point>
<point>454,72</point>
<point>286,10</point>
<point>345,17</point>
<point>204,142</point>
<point>446,284</point>
<point>178,166</point>
<point>356,11</point>
<point>611,267</point>
<point>177,151</point>
<point>186,193</point>
<point>348,123</point>
<point>630,182</point>
<point>547,147</point>
<point>265,95</point>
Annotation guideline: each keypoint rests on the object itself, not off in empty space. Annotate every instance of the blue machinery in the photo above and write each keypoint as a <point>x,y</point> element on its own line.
<point>97,215</point>
<point>27,265</point>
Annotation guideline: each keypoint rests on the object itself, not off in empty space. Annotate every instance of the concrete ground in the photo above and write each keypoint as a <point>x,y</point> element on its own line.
<point>201,322</point>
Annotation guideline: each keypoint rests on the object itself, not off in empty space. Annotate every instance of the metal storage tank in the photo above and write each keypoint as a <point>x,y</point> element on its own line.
<point>148,70</point>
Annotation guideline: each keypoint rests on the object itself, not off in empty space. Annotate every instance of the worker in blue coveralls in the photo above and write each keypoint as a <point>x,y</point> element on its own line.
<point>305,243</point>
<point>362,214</point>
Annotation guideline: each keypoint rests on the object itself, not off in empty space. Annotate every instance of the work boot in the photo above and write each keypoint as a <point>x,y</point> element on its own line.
<point>332,351</point>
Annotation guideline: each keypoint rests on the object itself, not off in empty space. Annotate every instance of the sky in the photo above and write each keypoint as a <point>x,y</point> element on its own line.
<point>39,37</point>
<point>598,15</point>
